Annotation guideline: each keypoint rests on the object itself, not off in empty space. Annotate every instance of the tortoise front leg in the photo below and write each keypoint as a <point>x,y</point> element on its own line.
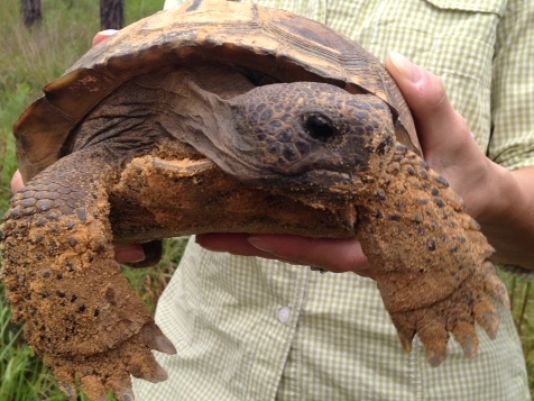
<point>429,258</point>
<point>62,280</point>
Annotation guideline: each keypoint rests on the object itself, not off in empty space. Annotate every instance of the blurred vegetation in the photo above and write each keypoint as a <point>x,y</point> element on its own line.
<point>30,59</point>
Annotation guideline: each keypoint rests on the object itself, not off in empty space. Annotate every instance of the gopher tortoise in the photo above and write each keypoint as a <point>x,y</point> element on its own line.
<point>226,117</point>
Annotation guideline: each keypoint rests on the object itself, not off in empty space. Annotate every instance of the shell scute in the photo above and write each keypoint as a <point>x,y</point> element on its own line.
<point>276,43</point>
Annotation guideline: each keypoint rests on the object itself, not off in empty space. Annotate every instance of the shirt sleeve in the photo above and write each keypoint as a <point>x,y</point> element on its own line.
<point>512,138</point>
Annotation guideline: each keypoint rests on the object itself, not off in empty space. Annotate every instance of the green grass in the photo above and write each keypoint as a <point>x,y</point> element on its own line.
<point>31,58</point>
<point>521,298</point>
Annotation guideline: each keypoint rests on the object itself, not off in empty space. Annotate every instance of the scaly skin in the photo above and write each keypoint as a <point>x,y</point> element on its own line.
<point>429,258</point>
<point>64,284</point>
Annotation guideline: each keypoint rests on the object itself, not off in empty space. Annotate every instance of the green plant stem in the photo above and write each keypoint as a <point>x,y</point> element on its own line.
<point>524,304</point>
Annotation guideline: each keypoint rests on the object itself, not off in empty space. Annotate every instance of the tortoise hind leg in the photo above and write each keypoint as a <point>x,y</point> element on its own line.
<point>62,280</point>
<point>429,259</point>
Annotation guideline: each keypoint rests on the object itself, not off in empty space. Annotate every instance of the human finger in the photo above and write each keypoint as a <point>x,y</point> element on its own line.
<point>336,255</point>
<point>103,35</point>
<point>447,142</point>
<point>17,183</point>
<point>236,244</point>
<point>438,124</point>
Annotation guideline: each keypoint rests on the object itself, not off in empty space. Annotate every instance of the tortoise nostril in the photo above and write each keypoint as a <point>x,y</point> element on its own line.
<point>319,127</point>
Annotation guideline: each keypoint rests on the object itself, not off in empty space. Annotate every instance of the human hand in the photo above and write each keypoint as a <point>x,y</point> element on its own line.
<point>448,145</point>
<point>336,255</point>
<point>449,148</point>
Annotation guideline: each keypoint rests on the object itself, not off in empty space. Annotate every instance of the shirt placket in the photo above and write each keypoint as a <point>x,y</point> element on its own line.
<point>273,339</point>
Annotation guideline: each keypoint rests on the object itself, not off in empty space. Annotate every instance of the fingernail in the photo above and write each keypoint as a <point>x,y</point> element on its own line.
<point>103,35</point>
<point>259,243</point>
<point>409,69</point>
<point>136,256</point>
<point>129,253</point>
<point>17,183</point>
<point>108,32</point>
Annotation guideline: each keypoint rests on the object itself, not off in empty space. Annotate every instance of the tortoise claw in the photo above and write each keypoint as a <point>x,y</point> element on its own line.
<point>489,321</point>
<point>68,389</point>
<point>405,330</point>
<point>495,287</point>
<point>407,340</point>
<point>435,358</point>
<point>145,366</point>
<point>164,345</point>
<point>157,375</point>
<point>465,334</point>
<point>93,387</point>
<point>126,395</point>
<point>470,346</point>
<point>156,340</point>
<point>458,314</point>
<point>434,337</point>
<point>109,371</point>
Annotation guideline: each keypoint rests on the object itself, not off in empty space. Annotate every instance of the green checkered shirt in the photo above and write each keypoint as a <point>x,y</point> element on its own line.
<point>256,329</point>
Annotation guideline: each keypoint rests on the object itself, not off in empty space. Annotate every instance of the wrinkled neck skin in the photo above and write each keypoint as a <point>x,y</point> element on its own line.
<point>157,108</point>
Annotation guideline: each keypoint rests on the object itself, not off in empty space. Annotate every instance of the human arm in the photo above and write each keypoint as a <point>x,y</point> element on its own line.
<point>502,201</point>
<point>511,227</point>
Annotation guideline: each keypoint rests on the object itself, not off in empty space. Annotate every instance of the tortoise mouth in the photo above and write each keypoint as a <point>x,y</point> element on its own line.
<point>314,187</point>
<point>318,181</point>
<point>318,185</point>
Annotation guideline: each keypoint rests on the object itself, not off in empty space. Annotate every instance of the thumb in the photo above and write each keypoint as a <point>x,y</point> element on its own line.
<point>438,125</point>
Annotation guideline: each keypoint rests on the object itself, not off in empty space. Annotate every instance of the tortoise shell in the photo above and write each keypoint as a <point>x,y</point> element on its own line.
<point>276,45</point>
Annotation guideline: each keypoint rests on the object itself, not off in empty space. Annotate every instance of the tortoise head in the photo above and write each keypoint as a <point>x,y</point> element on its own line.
<point>308,136</point>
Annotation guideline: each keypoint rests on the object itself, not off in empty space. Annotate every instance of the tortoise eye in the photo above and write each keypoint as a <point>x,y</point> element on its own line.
<point>319,127</point>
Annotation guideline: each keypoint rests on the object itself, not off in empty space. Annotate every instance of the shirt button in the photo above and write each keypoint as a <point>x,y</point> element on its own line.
<point>284,314</point>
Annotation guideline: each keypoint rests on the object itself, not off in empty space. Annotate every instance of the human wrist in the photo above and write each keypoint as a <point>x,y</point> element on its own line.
<point>499,193</point>
<point>508,221</point>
